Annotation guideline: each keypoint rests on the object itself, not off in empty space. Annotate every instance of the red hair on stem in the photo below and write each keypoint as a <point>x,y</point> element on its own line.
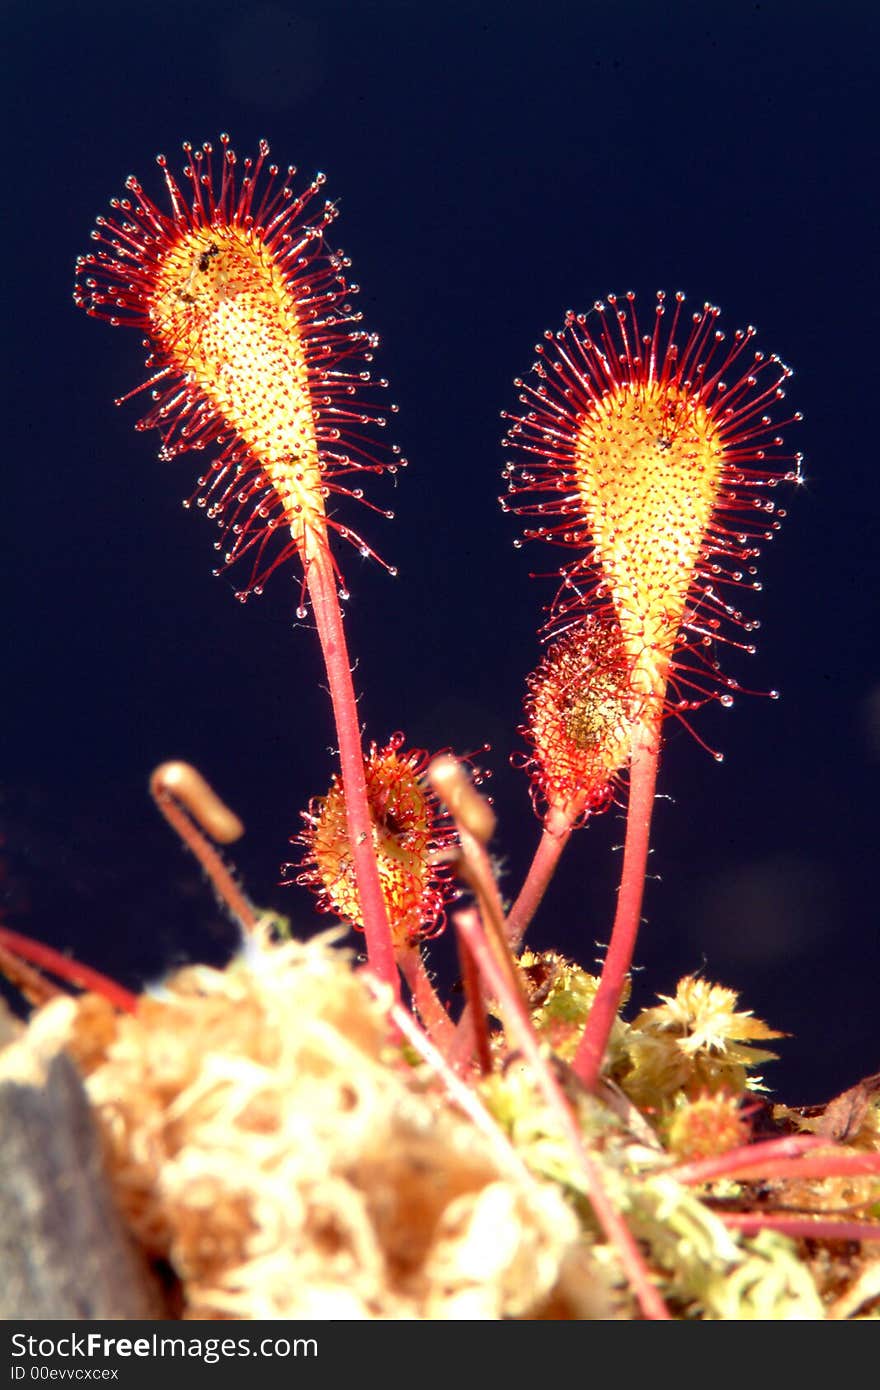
<point>194,810</point>
<point>651,456</point>
<point>255,350</point>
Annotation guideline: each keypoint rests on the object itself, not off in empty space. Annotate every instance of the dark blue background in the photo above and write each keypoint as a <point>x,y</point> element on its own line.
<point>495,164</point>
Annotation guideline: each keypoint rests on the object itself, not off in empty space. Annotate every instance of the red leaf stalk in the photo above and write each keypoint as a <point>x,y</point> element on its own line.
<point>255,349</point>
<point>648,456</point>
<point>627,919</point>
<point>190,807</point>
<point>522,1033</point>
<point>328,620</point>
<point>66,969</point>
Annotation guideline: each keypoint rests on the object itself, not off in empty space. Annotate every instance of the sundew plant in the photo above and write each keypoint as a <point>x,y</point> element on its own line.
<point>647,458</point>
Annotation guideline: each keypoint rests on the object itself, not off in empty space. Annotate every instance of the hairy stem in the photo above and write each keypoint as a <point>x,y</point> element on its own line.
<point>558,825</point>
<point>472,1038</point>
<point>184,798</point>
<point>642,781</point>
<point>475,823</point>
<point>436,1020</point>
<point>321,582</point>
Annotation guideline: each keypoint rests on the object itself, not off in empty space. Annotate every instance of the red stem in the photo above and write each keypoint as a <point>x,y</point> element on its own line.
<point>68,970</point>
<point>520,1028</point>
<point>800,1227</point>
<point>35,987</point>
<point>642,781</point>
<point>436,1020</point>
<point>474,1029</point>
<point>842,1165</point>
<point>167,797</point>
<point>464,1095</point>
<point>321,582</point>
<point>779,1158</point>
<point>557,828</point>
